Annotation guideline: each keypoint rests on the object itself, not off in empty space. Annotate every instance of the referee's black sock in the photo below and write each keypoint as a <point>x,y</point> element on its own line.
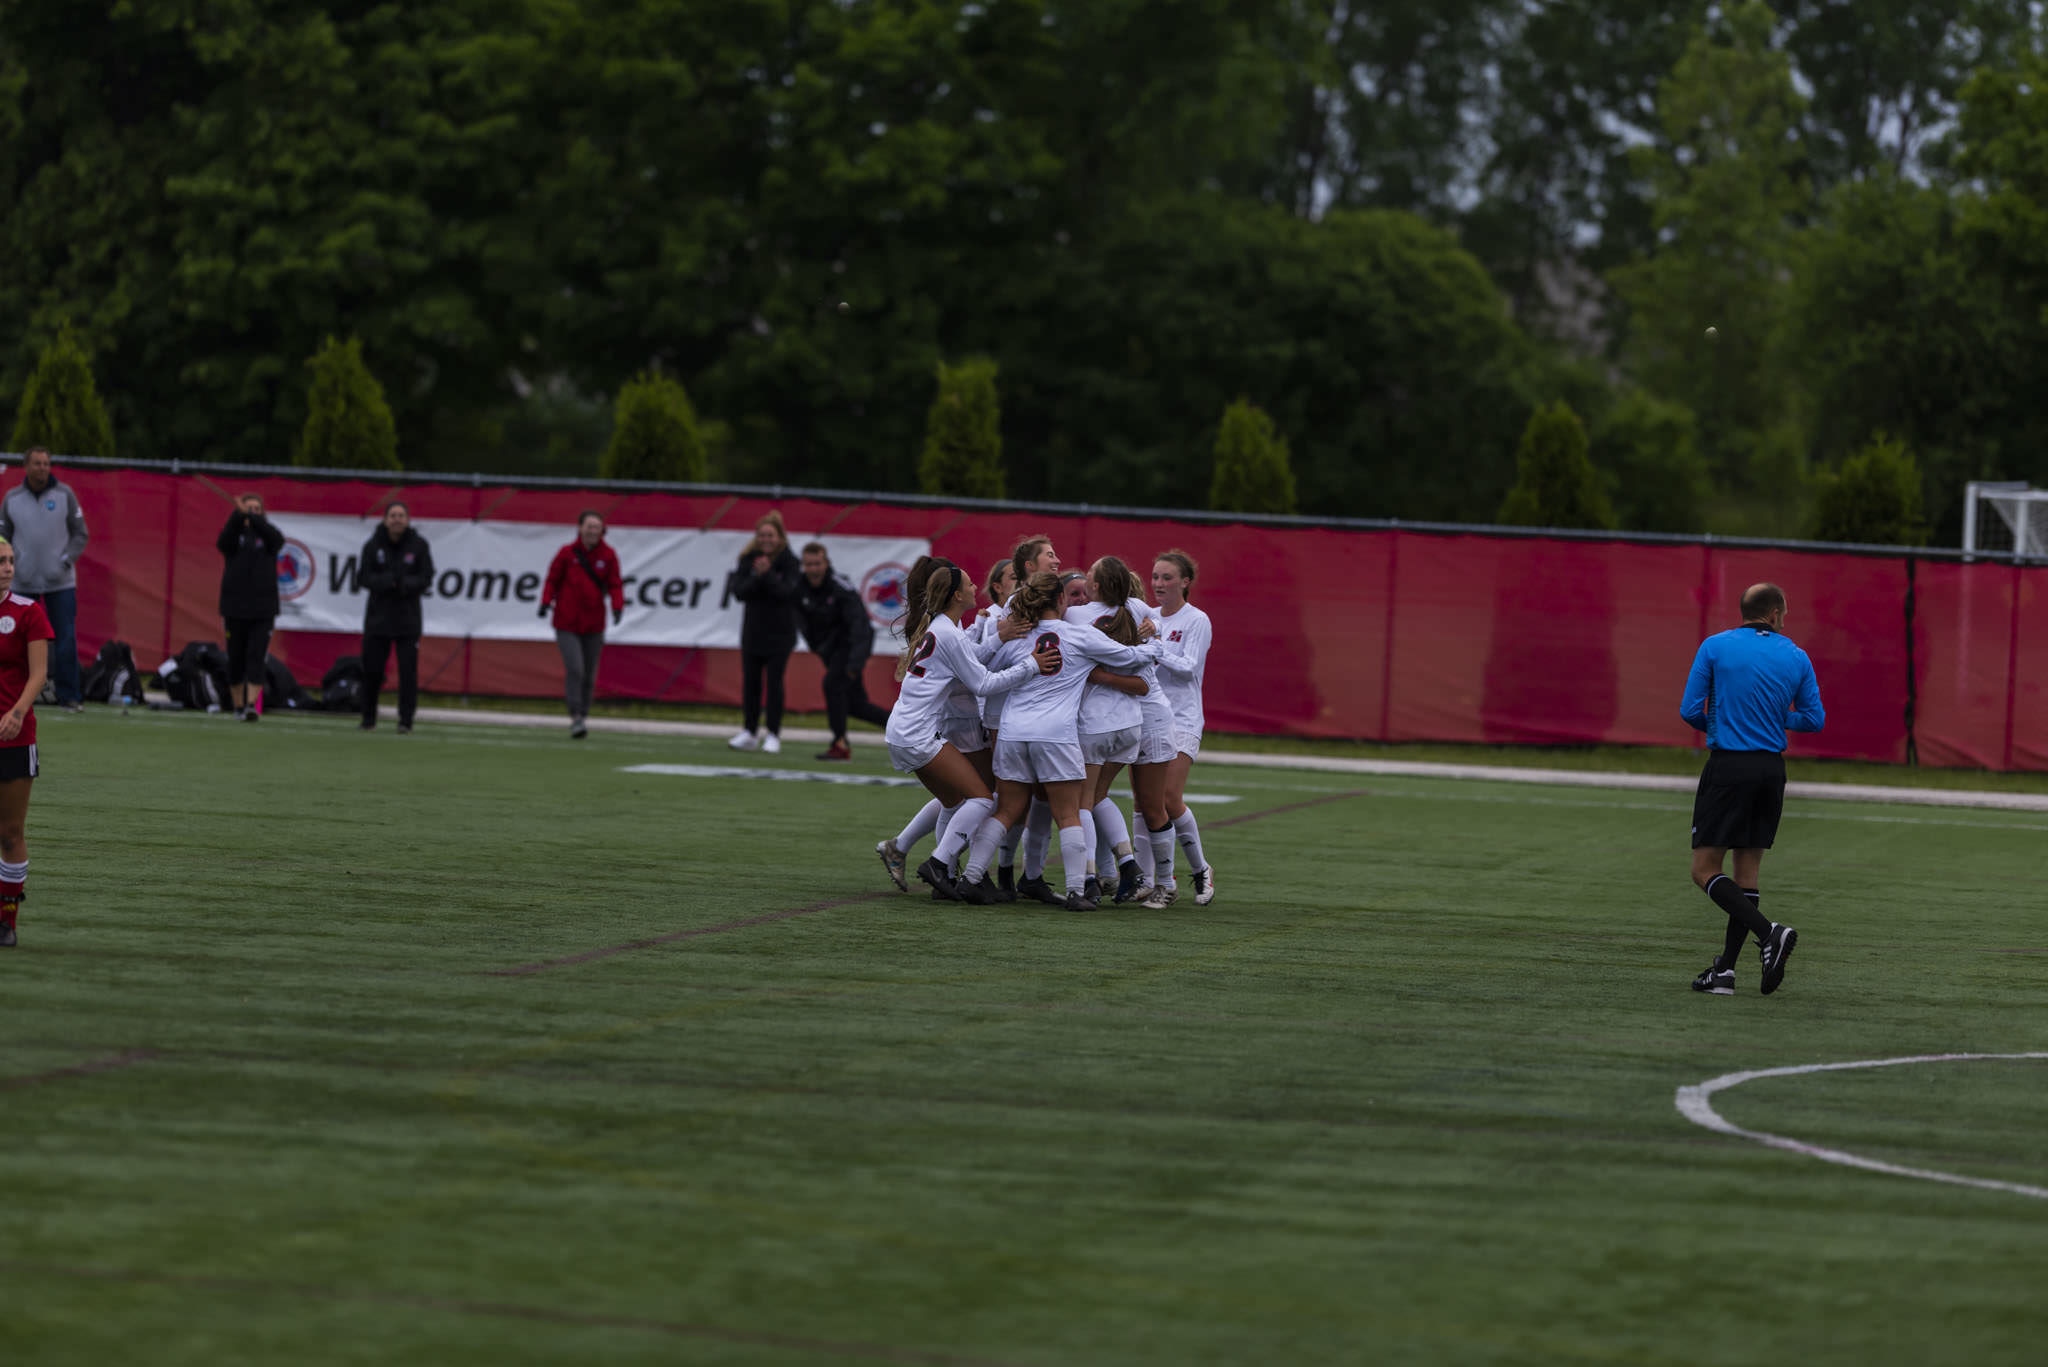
<point>1731,948</point>
<point>1740,910</point>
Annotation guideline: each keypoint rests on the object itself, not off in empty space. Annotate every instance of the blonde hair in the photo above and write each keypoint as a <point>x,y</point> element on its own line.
<point>771,518</point>
<point>943,581</point>
<point>1038,597</point>
<point>1115,586</point>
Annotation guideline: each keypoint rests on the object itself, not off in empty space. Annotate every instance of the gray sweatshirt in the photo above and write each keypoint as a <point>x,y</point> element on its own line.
<point>48,532</point>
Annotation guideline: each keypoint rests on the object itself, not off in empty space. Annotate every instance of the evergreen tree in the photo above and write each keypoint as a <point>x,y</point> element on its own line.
<point>1556,484</point>
<point>1874,499</point>
<point>1647,450</point>
<point>1253,474</point>
<point>655,434</point>
<point>348,424</point>
<point>963,440</point>
<point>60,407</point>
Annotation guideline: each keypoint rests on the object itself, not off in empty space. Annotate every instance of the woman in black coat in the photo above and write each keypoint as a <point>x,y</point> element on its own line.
<point>248,598</point>
<point>765,582</point>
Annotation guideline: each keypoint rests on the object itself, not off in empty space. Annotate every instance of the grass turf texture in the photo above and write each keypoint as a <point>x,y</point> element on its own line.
<point>1402,1094</point>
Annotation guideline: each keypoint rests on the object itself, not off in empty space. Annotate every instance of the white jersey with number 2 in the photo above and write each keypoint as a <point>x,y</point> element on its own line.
<point>945,662</point>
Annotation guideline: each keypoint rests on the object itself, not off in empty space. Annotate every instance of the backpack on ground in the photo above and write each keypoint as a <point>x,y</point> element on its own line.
<point>341,687</point>
<point>197,679</point>
<point>280,689</point>
<point>112,676</point>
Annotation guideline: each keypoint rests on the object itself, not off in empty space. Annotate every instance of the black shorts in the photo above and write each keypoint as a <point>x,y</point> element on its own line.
<point>1740,798</point>
<point>18,761</point>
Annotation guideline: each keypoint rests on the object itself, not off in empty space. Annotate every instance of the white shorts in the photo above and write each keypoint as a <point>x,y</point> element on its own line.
<point>908,759</point>
<point>1187,743</point>
<point>1111,747</point>
<point>1040,761</point>
<point>1155,739</point>
<point>967,736</point>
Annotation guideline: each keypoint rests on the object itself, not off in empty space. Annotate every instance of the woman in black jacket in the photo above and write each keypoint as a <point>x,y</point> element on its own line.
<point>248,598</point>
<point>396,567</point>
<point>766,582</point>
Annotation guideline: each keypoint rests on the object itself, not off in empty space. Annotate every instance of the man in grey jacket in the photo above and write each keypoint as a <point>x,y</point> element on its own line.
<point>42,519</point>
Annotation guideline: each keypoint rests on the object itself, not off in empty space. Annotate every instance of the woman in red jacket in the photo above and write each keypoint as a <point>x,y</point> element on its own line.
<point>585,573</point>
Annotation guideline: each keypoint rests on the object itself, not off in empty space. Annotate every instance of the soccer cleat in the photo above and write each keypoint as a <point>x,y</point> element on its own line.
<point>1077,902</point>
<point>1091,888</point>
<point>941,879</point>
<point>1163,895</point>
<point>1006,883</point>
<point>743,741</point>
<point>9,909</point>
<point>838,750</point>
<point>1205,886</point>
<point>405,728</point>
<point>771,744</point>
<point>1776,948</point>
<point>1040,889</point>
<point>894,862</point>
<point>980,894</point>
<point>1715,979</point>
<point>577,730</point>
<point>251,714</point>
<point>1126,881</point>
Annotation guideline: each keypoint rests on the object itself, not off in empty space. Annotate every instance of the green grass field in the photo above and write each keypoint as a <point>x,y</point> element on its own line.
<point>1402,1094</point>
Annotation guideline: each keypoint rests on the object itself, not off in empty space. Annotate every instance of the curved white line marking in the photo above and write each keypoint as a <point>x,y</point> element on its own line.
<point>1696,1104</point>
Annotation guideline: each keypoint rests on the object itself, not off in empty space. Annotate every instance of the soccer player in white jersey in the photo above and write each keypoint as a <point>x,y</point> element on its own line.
<point>1040,745</point>
<point>1111,722</point>
<point>938,659</point>
<point>1184,630</point>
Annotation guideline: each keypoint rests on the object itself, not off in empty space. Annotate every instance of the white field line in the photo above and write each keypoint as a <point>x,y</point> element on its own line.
<point>1696,1104</point>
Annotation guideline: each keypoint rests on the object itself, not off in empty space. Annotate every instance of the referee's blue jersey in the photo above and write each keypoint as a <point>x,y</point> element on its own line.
<point>1748,687</point>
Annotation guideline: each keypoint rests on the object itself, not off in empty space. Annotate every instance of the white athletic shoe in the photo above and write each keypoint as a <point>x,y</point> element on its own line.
<point>1205,886</point>
<point>743,741</point>
<point>771,744</point>
<point>1162,896</point>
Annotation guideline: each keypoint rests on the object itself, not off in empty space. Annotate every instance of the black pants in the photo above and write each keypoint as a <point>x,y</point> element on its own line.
<point>847,694</point>
<point>376,650</point>
<point>755,671</point>
<point>248,644</point>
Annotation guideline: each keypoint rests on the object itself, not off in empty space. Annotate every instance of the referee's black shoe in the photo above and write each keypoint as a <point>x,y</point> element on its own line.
<point>1776,949</point>
<point>941,879</point>
<point>1715,979</point>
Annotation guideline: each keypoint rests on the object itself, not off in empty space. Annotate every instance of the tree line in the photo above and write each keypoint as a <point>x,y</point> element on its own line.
<point>1453,260</point>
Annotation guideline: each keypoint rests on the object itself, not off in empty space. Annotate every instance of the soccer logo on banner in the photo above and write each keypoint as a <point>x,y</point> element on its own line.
<point>296,570</point>
<point>882,591</point>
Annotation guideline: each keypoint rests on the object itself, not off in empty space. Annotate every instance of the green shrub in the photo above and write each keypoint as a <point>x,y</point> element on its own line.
<point>1647,450</point>
<point>1873,498</point>
<point>1253,474</point>
<point>61,406</point>
<point>348,424</point>
<point>654,434</point>
<point>963,439</point>
<point>1556,484</point>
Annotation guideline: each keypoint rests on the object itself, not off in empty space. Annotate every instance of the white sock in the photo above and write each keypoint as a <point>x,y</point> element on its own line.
<point>1111,834</point>
<point>1074,857</point>
<point>1190,840</point>
<point>1037,839</point>
<point>1162,857</point>
<point>1087,843</point>
<point>13,873</point>
<point>1011,839</point>
<point>982,848</point>
<point>1141,848</point>
<point>945,822</point>
<point>923,824</point>
<point>962,825</point>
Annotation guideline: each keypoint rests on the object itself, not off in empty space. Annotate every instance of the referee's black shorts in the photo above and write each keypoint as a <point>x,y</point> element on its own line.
<point>1740,798</point>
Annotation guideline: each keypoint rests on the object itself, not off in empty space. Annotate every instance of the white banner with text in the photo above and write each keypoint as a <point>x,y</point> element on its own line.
<point>488,578</point>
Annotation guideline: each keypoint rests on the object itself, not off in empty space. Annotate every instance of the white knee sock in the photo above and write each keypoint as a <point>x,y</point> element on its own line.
<point>1190,840</point>
<point>1111,834</point>
<point>962,825</point>
<point>1142,848</point>
<point>923,824</point>
<point>1074,857</point>
<point>982,849</point>
<point>1037,839</point>
<point>1162,857</point>
<point>1087,842</point>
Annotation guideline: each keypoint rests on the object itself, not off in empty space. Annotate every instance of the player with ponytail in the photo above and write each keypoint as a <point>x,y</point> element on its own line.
<point>1185,631</point>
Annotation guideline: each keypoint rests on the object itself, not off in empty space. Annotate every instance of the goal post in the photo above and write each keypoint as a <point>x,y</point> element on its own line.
<point>2006,519</point>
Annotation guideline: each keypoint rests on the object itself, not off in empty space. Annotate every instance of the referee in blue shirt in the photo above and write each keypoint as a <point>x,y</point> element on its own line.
<point>1748,687</point>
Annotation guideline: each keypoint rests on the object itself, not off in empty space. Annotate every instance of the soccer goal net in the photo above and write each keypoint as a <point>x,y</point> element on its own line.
<point>2007,520</point>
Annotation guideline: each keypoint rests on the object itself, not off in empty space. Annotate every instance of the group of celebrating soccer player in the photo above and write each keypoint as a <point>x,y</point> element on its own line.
<point>1018,722</point>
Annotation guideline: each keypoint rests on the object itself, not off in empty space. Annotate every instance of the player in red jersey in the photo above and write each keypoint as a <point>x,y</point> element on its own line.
<point>25,637</point>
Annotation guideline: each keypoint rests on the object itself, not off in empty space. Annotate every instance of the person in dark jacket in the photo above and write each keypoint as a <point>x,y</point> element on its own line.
<point>248,598</point>
<point>836,627</point>
<point>585,573</point>
<point>766,583</point>
<point>397,568</point>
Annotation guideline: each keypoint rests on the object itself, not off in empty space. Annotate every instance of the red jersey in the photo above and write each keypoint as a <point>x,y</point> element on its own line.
<point>21,620</point>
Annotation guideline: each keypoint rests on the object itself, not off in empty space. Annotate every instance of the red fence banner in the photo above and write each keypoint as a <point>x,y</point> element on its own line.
<point>1378,634</point>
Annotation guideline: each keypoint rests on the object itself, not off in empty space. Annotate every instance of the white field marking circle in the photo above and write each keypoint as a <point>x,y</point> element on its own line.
<point>1696,1104</point>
